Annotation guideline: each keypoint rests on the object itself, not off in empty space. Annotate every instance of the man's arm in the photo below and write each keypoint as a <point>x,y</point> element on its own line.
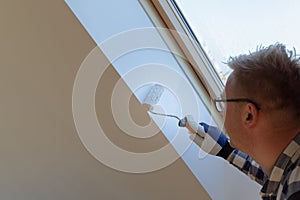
<point>247,165</point>
<point>204,137</point>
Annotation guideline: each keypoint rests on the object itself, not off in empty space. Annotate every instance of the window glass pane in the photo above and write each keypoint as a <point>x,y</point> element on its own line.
<point>230,28</point>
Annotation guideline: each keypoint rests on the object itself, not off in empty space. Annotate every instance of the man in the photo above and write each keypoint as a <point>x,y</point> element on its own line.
<point>261,107</point>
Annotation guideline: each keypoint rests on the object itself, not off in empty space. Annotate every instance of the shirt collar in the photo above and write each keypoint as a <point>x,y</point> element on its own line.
<point>287,157</point>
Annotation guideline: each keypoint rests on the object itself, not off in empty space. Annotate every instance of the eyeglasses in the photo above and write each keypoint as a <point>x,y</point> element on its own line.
<point>220,103</point>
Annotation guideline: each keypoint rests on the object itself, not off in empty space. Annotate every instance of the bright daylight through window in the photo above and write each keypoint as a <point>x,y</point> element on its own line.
<point>229,28</point>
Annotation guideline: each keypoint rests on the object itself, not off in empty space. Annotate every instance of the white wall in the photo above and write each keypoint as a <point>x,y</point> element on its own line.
<point>112,24</point>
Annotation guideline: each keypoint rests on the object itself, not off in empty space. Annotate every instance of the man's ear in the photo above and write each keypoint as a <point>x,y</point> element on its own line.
<point>250,115</point>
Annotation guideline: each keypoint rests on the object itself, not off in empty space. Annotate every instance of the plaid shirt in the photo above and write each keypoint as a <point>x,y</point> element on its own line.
<point>284,179</point>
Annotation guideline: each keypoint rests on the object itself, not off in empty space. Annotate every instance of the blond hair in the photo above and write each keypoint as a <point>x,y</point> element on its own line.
<point>271,77</point>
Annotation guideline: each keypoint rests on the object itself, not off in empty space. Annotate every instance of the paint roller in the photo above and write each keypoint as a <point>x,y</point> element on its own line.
<point>153,97</point>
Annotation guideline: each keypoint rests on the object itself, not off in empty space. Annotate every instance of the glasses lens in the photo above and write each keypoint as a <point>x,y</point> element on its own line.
<point>220,105</point>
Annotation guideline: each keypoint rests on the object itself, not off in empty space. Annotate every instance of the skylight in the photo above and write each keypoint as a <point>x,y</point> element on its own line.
<point>230,28</point>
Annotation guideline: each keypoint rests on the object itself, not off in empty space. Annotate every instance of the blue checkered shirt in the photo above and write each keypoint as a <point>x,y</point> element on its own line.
<point>284,179</point>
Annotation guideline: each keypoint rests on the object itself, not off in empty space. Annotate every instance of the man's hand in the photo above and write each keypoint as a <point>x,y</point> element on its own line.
<point>209,138</point>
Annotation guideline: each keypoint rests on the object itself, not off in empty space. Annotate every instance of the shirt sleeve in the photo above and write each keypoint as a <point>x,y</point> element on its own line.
<point>247,165</point>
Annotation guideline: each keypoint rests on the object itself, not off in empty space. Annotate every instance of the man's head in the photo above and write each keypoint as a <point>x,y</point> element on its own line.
<point>271,78</point>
